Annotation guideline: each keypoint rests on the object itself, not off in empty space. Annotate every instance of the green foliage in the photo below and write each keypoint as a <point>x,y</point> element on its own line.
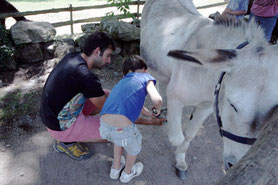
<point>121,5</point>
<point>16,104</point>
<point>7,51</point>
<point>31,0</point>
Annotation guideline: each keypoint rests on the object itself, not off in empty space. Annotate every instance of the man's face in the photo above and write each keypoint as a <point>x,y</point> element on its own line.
<point>104,59</point>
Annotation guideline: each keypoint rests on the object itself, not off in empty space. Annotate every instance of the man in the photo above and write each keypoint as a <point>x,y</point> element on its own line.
<point>265,14</point>
<point>66,90</point>
<point>237,8</point>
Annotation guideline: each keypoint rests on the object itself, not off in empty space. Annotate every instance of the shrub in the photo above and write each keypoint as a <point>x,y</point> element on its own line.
<point>121,5</point>
<point>7,51</point>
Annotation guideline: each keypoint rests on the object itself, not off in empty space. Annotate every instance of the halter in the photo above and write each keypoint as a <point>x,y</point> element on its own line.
<point>224,133</point>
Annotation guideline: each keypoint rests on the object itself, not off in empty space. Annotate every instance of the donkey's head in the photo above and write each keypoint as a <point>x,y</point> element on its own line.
<point>248,92</point>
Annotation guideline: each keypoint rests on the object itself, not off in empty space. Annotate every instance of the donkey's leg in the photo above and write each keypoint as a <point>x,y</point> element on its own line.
<point>174,115</point>
<point>190,130</point>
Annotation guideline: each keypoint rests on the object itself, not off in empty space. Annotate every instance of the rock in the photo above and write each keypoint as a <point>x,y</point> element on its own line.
<point>121,30</point>
<point>25,119</point>
<point>63,47</point>
<point>48,50</point>
<point>89,28</point>
<point>50,64</point>
<point>81,40</point>
<point>24,32</point>
<point>29,53</point>
<point>130,48</point>
<point>21,174</point>
<point>136,22</point>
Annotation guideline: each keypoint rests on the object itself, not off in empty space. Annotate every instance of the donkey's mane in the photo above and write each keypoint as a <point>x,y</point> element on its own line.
<point>251,29</point>
<point>228,21</point>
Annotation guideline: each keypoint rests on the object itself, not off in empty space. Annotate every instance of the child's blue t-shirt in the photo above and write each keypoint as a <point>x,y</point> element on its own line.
<point>128,96</point>
<point>238,5</point>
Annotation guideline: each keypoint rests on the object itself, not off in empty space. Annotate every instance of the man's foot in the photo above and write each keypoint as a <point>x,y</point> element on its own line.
<point>74,150</point>
<point>115,173</point>
<point>136,170</point>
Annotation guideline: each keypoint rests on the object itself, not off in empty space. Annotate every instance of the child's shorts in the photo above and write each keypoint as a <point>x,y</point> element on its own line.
<point>129,138</point>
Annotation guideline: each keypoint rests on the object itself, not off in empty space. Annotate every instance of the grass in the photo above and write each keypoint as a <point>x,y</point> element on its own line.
<point>15,104</point>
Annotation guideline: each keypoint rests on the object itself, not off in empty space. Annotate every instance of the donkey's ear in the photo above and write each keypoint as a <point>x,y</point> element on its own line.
<point>217,58</point>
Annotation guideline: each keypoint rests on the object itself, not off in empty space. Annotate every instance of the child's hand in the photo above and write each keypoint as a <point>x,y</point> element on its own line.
<point>156,112</point>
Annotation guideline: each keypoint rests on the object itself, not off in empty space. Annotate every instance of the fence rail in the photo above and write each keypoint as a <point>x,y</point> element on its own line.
<point>71,9</point>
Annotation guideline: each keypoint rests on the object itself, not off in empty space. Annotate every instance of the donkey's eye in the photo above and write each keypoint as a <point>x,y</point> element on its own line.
<point>232,105</point>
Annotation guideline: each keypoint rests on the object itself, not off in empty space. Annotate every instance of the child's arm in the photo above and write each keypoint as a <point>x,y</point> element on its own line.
<point>151,120</point>
<point>146,112</point>
<point>155,97</point>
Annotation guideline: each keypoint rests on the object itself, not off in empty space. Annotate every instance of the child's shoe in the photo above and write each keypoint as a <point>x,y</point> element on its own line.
<point>115,173</point>
<point>136,170</point>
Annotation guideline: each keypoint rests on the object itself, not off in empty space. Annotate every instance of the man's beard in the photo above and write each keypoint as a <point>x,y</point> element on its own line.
<point>99,63</point>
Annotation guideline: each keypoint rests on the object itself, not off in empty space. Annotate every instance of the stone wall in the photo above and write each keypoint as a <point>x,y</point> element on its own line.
<point>32,42</point>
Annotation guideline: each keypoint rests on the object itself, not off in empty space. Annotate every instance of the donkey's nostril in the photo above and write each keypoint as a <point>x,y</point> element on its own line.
<point>230,165</point>
<point>229,162</point>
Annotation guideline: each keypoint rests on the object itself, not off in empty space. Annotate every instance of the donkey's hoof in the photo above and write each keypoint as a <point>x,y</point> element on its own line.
<point>181,173</point>
<point>176,140</point>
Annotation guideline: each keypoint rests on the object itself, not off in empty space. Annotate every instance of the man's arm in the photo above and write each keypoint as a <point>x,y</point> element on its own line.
<point>237,12</point>
<point>98,102</point>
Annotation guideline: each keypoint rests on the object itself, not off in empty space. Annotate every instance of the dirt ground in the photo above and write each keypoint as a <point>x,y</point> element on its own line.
<point>27,156</point>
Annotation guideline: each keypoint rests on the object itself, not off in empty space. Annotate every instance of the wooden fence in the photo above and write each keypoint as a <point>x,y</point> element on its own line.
<point>71,9</point>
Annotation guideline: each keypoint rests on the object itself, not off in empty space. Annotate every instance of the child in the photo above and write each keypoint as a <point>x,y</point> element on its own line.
<point>121,109</point>
<point>236,8</point>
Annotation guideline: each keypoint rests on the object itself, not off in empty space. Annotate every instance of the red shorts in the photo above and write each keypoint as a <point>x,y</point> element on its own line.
<point>85,128</point>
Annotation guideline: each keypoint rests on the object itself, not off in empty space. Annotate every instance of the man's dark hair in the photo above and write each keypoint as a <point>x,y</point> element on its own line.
<point>133,63</point>
<point>98,39</point>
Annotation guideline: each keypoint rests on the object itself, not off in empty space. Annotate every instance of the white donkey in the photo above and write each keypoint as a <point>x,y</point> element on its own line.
<point>204,49</point>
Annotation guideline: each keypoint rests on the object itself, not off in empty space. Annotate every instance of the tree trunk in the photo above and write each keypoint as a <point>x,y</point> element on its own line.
<point>259,166</point>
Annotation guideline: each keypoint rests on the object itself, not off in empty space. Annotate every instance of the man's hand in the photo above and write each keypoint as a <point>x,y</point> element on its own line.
<point>98,102</point>
<point>227,11</point>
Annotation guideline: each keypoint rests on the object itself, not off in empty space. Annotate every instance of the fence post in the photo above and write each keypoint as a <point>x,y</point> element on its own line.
<point>138,9</point>
<point>71,20</point>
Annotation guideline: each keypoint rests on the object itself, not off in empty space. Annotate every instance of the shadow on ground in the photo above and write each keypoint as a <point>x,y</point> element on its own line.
<point>28,158</point>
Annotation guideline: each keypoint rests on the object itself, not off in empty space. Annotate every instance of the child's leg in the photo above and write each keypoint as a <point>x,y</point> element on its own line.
<point>130,160</point>
<point>118,151</point>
